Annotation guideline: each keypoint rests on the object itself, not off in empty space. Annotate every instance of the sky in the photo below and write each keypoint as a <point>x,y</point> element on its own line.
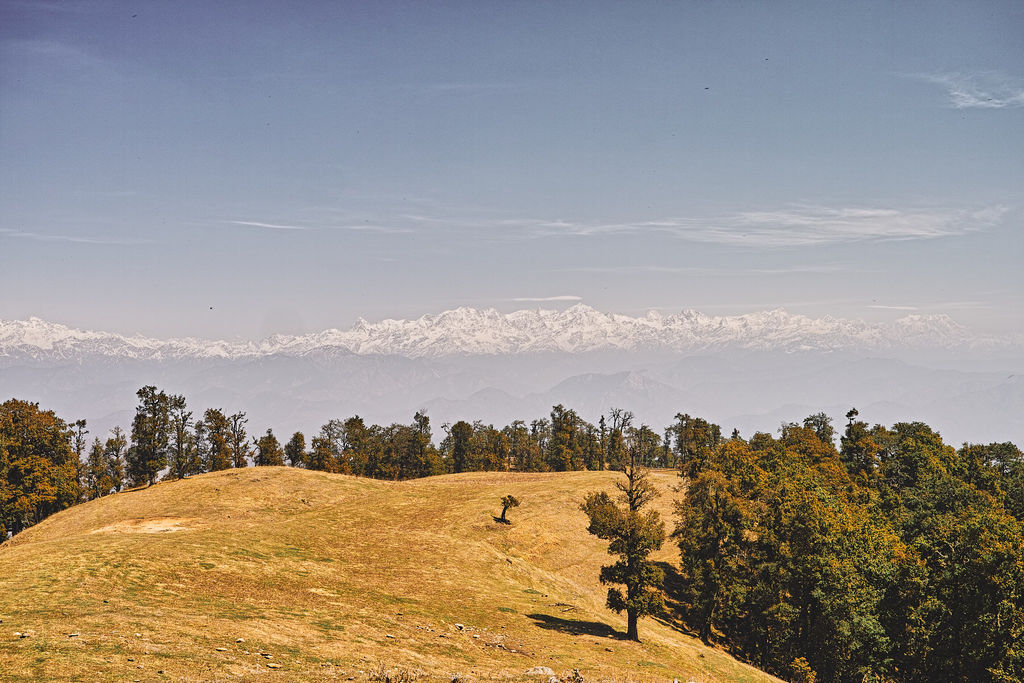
<point>236,169</point>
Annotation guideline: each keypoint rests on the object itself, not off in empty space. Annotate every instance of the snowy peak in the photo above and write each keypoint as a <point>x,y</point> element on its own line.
<point>469,331</point>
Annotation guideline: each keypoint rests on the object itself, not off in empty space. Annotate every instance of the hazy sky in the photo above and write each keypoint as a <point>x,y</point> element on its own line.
<point>233,169</point>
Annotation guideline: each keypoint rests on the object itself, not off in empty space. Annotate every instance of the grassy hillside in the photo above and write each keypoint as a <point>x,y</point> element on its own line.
<point>331,576</point>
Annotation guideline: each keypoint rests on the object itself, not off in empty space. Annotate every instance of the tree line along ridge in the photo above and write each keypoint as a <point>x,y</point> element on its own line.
<point>888,556</point>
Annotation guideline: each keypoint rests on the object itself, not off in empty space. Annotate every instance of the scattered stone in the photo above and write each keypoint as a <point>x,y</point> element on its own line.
<point>222,649</point>
<point>138,635</point>
<point>272,665</point>
<point>608,649</point>
<point>459,626</point>
<point>388,635</point>
<point>540,671</point>
<point>266,654</point>
<point>475,635</point>
<point>18,634</point>
<point>239,640</point>
<point>74,635</point>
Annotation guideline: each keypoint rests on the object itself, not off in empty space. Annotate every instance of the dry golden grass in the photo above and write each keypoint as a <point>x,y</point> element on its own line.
<point>332,577</point>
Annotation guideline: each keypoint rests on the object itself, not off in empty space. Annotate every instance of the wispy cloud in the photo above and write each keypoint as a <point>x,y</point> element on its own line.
<point>979,90</point>
<point>370,227</point>
<point>364,226</point>
<point>941,306</point>
<point>893,308</point>
<point>792,226</point>
<point>702,270</point>
<point>44,237</point>
<point>54,52</point>
<point>796,226</point>
<point>272,226</point>
<point>562,297</point>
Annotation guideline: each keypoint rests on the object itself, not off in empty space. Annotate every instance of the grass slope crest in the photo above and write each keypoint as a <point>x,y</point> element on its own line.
<point>301,575</point>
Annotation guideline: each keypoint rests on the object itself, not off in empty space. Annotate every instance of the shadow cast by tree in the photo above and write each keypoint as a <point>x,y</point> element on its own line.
<point>576,626</point>
<point>674,614</point>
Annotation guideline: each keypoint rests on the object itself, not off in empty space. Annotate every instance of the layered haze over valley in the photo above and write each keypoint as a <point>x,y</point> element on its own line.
<point>751,372</point>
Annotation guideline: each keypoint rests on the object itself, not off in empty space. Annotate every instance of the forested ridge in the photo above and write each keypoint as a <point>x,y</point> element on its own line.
<point>878,553</point>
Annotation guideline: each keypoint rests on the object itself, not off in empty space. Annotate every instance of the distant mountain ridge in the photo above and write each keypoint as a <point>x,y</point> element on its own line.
<point>469,331</point>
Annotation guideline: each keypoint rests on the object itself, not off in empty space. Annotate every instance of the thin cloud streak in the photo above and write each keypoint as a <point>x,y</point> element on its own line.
<point>978,90</point>
<point>43,237</point>
<point>798,226</point>
<point>790,227</point>
<point>272,226</point>
<point>562,297</point>
<point>703,270</point>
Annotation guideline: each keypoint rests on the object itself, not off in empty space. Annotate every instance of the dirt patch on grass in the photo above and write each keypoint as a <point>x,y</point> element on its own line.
<point>149,525</point>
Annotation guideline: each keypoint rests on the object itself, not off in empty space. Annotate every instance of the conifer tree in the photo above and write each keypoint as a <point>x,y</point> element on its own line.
<point>95,472</point>
<point>295,450</point>
<point>151,430</point>
<point>268,450</point>
<point>182,459</point>
<point>114,453</point>
<point>239,440</point>
<point>217,436</point>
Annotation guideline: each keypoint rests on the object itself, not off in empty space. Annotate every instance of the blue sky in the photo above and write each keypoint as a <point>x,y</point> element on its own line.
<point>233,169</point>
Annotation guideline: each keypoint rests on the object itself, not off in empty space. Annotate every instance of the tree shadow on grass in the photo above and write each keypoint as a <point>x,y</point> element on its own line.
<point>576,626</point>
<point>499,520</point>
<point>675,605</point>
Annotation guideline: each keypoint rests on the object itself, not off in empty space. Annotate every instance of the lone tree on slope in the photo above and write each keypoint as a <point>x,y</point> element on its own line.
<point>507,502</point>
<point>633,535</point>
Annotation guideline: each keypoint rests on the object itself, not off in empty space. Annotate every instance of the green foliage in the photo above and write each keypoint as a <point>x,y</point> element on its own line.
<point>802,671</point>
<point>895,559</point>
<point>151,433</point>
<point>295,450</point>
<point>216,437</point>
<point>105,467</point>
<point>38,468</point>
<point>268,450</point>
<point>507,502</point>
<point>632,535</point>
<point>696,439</point>
<point>183,459</point>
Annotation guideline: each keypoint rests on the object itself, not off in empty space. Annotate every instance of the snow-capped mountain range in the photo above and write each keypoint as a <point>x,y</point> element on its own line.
<point>469,331</point>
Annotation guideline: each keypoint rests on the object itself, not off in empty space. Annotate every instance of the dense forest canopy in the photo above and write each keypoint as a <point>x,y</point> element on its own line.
<point>870,553</point>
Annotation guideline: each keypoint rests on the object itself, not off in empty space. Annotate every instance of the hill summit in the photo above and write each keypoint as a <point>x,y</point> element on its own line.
<point>305,575</point>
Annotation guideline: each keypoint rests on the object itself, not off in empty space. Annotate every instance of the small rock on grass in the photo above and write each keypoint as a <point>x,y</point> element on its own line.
<point>272,665</point>
<point>222,649</point>
<point>540,671</point>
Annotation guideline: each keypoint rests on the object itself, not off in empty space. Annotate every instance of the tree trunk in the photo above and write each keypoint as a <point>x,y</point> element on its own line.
<point>631,633</point>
